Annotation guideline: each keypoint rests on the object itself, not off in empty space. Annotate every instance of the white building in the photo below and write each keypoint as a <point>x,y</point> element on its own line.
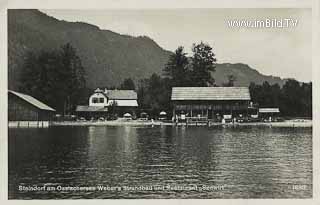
<point>101,100</point>
<point>122,98</point>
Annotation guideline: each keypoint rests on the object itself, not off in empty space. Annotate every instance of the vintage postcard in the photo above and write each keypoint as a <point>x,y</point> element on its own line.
<point>161,102</point>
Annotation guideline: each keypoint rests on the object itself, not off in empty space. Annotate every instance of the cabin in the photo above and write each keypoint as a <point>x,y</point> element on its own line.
<point>23,107</point>
<point>109,102</point>
<point>211,102</point>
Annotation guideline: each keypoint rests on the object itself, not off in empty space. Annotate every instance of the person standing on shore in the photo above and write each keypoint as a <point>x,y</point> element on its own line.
<point>177,120</point>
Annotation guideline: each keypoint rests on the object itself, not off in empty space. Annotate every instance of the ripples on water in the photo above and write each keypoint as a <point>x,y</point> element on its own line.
<point>247,162</point>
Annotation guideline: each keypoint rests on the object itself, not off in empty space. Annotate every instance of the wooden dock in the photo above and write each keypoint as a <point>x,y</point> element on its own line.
<point>28,124</point>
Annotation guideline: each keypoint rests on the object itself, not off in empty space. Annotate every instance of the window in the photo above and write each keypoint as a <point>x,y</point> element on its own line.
<point>101,100</point>
<point>94,100</point>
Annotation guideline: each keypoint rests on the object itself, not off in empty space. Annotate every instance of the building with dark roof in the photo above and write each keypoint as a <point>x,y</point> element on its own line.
<point>23,107</point>
<point>105,102</point>
<point>211,102</point>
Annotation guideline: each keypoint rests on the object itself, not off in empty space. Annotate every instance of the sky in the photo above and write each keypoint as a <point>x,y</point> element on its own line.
<point>277,51</point>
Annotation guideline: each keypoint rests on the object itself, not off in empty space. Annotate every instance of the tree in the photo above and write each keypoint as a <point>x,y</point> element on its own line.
<point>307,98</point>
<point>293,99</point>
<point>203,63</point>
<point>127,84</point>
<point>265,95</point>
<point>154,94</point>
<point>231,80</point>
<point>40,76</point>
<point>113,107</point>
<point>74,75</point>
<point>56,77</point>
<point>177,69</point>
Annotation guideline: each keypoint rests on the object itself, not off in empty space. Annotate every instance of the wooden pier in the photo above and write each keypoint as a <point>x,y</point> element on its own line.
<point>29,124</point>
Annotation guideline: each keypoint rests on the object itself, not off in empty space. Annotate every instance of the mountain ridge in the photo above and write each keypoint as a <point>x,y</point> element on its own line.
<point>108,57</point>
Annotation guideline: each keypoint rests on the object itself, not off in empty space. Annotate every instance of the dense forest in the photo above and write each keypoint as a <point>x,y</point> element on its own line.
<point>294,99</point>
<point>57,77</point>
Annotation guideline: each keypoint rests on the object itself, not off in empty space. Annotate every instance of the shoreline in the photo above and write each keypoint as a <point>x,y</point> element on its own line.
<point>288,123</point>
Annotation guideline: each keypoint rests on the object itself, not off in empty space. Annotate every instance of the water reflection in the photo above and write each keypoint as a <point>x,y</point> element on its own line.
<point>251,162</point>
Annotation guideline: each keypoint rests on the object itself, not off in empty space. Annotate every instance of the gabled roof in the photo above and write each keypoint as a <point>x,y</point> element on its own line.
<point>86,108</point>
<point>269,110</point>
<point>33,101</point>
<point>122,95</point>
<point>210,93</point>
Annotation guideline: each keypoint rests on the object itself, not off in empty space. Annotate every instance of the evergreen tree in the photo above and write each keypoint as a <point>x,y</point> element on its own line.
<point>56,78</point>
<point>231,80</point>
<point>203,63</point>
<point>154,94</point>
<point>113,107</point>
<point>294,99</point>
<point>291,98</point>
<point>74,75</point>
<point>127,84</point>
<point>177,69</point>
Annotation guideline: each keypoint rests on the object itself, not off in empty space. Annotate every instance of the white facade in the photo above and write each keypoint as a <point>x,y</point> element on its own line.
<point>98,99</point>
<point>102,99</point>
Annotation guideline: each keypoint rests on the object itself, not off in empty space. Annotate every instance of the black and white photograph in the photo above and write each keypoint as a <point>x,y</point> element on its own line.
<point>160,103</point>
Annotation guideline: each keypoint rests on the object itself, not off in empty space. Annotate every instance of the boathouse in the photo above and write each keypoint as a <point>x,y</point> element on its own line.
<point>23,107</point>
<point>109,102</point>
<point>211,102</point>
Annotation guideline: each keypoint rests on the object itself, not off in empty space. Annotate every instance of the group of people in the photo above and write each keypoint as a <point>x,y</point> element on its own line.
<point>223,119</point>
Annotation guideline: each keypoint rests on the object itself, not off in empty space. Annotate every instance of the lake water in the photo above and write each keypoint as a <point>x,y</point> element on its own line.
<point>160,162</point>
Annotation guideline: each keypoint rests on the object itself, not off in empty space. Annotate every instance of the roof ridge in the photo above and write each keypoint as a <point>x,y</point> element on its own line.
<point>210,93</point>
<point>32,100</point>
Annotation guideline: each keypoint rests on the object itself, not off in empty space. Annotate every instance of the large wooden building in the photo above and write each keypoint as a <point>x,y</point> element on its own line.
<point>211,102</point>
<point>22,107</point>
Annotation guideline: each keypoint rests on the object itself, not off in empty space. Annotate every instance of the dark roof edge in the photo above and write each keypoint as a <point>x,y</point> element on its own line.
<point>37,106</point>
